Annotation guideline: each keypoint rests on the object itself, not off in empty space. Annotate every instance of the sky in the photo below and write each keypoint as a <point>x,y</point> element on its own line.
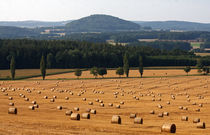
<point>134,10</point>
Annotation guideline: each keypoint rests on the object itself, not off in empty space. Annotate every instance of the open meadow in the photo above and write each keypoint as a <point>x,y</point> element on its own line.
<point>174,96</point>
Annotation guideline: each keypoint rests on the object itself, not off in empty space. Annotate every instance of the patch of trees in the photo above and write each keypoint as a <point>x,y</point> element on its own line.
<point>75,54</point>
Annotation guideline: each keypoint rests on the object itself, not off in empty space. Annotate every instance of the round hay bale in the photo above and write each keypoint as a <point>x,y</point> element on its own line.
<point>36,106</point>
<point>10,98</point>
<point>12,110</point>
<point>184,118</point>
<point>197,110</point>
<point>69,112</point>
<point>54,97</point>
<point>33,102</point>
<point>185,108</point>
<point>102,105</point>
<point>39,92</point>
<point>75,116</point>
<point>132,115</point>
<point>160,106</point>
<point>166,113</point>
<point>196,120</point>
<point>52,100</point>
<point>180,107</point>
<point>101,101</point>
<point>152,112</point>
<point>122,103</point>
<point>66,98</point>
<point>11,104</point>
<point>93,111</point>
<point>110,104</point>
<point>201,125</point>
<point>31,108</point>
<point>84,99</point>
<point>90,103</point>
<point>138,120</point>
<point>160,115</point>
<point>45,97</point>
<point>200,105</point>
<point>168,102</point>
<point>86,116</point>
<point>76,108</point>
<point>116,119</point>
<point>5,94</point>
<point>97,100</point>
<point>169,128</point>
<point>117,106</point>
<point>59,107</point>
<point>26,99</point>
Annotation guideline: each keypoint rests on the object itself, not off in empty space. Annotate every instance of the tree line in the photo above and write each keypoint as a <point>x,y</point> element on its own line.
<point>76,54</point>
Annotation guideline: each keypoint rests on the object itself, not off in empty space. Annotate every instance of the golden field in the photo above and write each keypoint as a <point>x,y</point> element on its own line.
<point>28,72</point>
<point>47,119</point>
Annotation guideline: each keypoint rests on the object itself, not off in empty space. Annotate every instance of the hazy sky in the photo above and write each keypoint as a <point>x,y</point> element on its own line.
<point>141,10</point>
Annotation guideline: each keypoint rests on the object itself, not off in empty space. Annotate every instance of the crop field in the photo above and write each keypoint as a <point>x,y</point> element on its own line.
<point>196,44</point>
<point>29,72</point>
<point>177,95</point>
<point>202,54</point>
<point>132,73</point>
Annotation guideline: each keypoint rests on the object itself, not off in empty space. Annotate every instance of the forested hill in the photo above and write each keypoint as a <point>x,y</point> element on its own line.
<point>101,23</point>
<point>176,25</point>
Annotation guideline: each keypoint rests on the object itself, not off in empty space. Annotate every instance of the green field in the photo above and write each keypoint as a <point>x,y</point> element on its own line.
<point>196,44</point>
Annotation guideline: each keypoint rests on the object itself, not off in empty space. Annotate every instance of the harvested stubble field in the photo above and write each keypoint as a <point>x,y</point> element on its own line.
<point>47,119</point>
<point>29,72</point>
<point>132,73</point>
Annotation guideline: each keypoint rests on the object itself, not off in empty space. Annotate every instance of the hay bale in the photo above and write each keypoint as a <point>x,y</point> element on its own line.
<point>168,102</point>
<point>169,128</point>
<point>180,107</point>
<point>93,111</point>
<point>160,115</point>
<point>54,97</point>
<point>132,115</point>
<point>59,107</point>
<point>160,106</point>
<point>116,119</point>
<point>201,125</point>
<point>97,100</point>
<point>76,108</point>
<point>117,106</point>
<point>185,108</point>
<point>101,101</point>
<point>200,105</point>
<point>84,99</point>
<point>36,106</point>
<point>86,116</point>
<point>11,104</point>
<point>90,103</point>
<point>45,97</point>
<point>197,110</point>
<point>31,108</point>
<point>152,112</point>
<point>69,112</point>
<point>184,118</point>
<point>122,103</point>
<point>75,116</point>
<point>102,105</point>
<point>33,102</point>
<point>52,100</point>
<point>66,98</point>
<point>10,98</point>
<point>12,110</point>
<point>39,92</point>
<point>138,120</point>
<point>110,104</point>
<point>166,113</point>
<point>196,120</point>
<point>26,99</point>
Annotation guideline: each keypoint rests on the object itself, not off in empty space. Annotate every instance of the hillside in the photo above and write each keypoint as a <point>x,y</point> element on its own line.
<point>176,25</point>
<point>33,24</point>
<point>101,23</point>
<point>15,32</point>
